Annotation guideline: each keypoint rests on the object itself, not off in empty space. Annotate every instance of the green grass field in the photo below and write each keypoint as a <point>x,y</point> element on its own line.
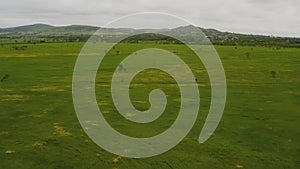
<point>259,128</point>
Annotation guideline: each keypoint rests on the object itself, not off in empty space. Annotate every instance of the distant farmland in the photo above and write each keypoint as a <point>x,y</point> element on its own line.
<point>40,33</point>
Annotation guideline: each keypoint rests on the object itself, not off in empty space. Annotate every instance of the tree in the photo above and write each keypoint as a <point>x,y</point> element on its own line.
<point>4,78</point>
<point>247,55</point>
<point>273,73</point>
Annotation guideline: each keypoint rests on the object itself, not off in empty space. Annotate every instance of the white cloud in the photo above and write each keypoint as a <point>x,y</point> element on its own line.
<point>271,17</point>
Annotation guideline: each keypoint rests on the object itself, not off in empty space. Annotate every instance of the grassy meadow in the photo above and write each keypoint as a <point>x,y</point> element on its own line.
<point>259,128</point>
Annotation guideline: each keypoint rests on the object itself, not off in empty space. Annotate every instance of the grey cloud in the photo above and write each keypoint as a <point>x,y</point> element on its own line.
<point>271,17</point>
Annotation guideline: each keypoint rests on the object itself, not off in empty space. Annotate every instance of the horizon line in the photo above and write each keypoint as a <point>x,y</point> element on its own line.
<point>222,31</point>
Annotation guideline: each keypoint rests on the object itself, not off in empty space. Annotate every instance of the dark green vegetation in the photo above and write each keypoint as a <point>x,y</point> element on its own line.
<point>259,129</point>
<point>40,33</point>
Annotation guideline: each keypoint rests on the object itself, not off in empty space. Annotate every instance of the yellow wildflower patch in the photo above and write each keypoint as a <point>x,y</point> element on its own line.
<point>61,131</point>
<point>38,144</point>
<point>239,166</point>
<point>42,89</point>
<point>105,112</point>
<point>130,114</point>
<point>13,97</point>
<point>22,56</point>
<point>5,90</point>
<point>117,159</point>
<point>87,141</point>
<point>140,101</point>
<point>3,133</point>
<point>9,152</point>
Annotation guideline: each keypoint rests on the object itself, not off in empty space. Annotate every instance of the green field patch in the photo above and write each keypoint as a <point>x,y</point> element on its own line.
<point>259,128</point>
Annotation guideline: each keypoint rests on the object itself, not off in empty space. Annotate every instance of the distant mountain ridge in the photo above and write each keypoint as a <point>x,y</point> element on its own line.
<point>83,32</point>
<point>44,30</point>
<point>28,27</point>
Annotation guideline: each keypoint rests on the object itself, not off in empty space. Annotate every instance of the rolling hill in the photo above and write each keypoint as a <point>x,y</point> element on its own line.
<point>83,32</point>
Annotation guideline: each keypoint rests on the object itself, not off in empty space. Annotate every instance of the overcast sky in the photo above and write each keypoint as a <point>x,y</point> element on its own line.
<point>269,17</point>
